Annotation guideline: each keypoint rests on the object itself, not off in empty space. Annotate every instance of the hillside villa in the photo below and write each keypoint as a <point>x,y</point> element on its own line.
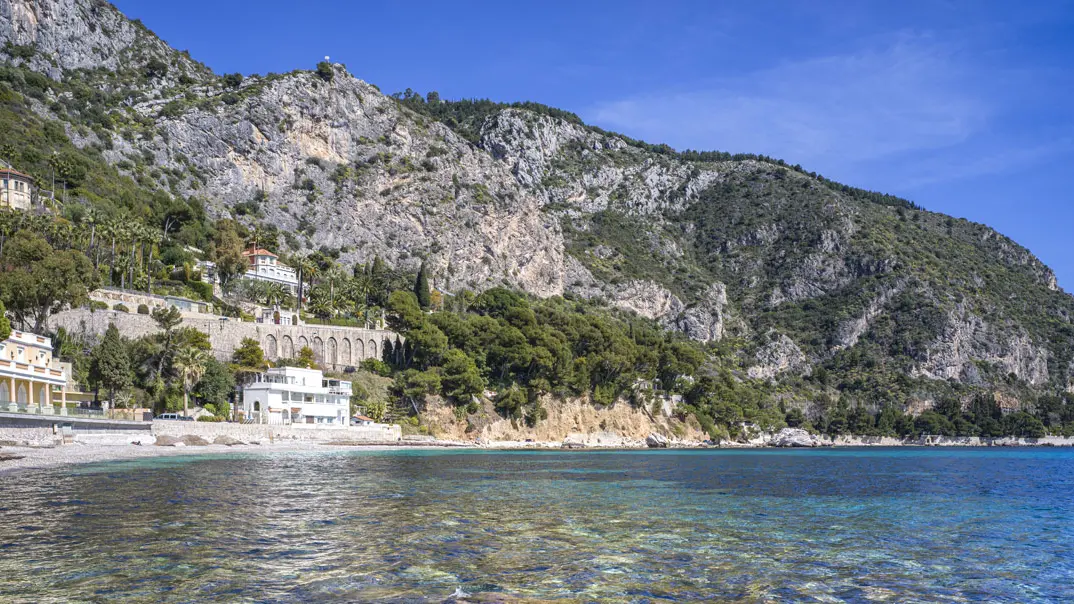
<point>292,395</point>
<point>16,189</point>
<point>266,266</point>
<point>30,379</point>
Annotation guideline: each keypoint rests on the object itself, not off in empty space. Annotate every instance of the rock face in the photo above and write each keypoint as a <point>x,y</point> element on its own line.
<point>84,34</point>
<point>780,355</point>
<point>713,246</point>
<point>793,437</point>
<point>657,441</point>
<point>968,342</point>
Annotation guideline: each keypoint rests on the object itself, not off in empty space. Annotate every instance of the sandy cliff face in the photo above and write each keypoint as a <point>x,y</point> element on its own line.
<point>573,420</point>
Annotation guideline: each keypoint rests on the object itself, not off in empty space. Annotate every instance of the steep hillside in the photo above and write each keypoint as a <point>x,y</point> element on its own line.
<point>803,279</point>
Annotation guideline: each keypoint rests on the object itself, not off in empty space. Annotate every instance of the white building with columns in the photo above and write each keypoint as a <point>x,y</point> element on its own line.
<point>293,395</point>
<point>30,379</point>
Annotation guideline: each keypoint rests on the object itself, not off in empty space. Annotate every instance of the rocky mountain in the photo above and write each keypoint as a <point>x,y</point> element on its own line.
<point>801,276</point>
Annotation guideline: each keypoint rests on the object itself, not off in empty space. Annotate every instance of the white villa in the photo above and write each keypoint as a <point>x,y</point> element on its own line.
<point>265,266</point>
<point>292,395</point>
<point>29,377</point>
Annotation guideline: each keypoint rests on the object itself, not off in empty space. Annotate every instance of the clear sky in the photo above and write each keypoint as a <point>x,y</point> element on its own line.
<point>965,107</point>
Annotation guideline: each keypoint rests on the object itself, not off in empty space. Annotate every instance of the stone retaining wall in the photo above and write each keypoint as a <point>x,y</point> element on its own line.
<point>335,348</point>
<point>27,436</point>
<point>266,432</point>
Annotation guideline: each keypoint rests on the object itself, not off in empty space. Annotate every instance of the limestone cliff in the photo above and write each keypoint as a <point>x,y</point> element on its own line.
<point>802,272</point>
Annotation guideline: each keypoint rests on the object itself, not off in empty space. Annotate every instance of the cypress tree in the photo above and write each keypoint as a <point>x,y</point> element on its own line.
<point>111,365</point>
<point>421,288</point>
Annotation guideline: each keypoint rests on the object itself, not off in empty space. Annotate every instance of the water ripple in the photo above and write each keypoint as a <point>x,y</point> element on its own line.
<point>812,526</point>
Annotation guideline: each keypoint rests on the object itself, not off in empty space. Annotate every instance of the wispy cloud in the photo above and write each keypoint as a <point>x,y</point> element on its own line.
<point>909,94</point>
<point>949,168</point>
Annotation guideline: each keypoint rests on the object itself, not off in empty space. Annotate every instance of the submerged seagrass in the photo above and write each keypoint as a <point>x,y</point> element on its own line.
<point>849,525</point>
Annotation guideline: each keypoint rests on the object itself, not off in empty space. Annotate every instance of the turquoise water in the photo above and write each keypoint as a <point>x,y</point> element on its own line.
<point>883,525</point>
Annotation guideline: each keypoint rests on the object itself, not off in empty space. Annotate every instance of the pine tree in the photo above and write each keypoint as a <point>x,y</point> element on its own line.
<point>421,288</point>
<point>111,365</point>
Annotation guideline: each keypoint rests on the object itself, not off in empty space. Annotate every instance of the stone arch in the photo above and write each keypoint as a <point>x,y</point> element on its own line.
<point>359,350</point>
<point>331,352</point>
<point>270,347</point>
<point>42,396</point>
<point>302,343</point>
<point>318,350</point>
<point>372,349</point>
<point>345,351</point>
<point>21,394</point>
<point>5,388</point>
<point>287,348</point>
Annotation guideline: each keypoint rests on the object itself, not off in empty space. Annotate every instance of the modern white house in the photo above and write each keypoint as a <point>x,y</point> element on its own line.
<point>30,379</point>
<point>16,189</point>
<point>266,266</point>
<point>292,395</point>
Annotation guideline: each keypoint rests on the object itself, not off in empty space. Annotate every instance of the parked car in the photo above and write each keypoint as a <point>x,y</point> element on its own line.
<point>175,417</point>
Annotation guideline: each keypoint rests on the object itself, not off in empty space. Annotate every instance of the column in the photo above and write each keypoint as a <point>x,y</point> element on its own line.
<point>47,403</point>
<point>63,400</point>
<point>12,404</point>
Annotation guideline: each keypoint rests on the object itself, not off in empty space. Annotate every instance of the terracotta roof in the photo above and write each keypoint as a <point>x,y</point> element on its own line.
<point>259,252</point>
<point>363,418</point>
<point>10,172</point>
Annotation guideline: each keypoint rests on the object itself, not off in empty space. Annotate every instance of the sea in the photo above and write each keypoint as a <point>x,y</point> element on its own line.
<point>818,525</point>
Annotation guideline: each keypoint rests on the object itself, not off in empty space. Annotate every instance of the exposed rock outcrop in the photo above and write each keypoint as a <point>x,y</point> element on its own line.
<point>780,355</point>
<point>657,441</point>
<point>793,437</point>
<point>968,340</point>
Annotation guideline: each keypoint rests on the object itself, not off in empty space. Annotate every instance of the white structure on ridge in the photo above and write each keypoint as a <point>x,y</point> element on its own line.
<point>265,266</point>
<point>292,395</point>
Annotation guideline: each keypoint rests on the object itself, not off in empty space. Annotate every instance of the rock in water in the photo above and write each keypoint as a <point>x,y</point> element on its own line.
<point>657,441</point>
<point>793,437</point>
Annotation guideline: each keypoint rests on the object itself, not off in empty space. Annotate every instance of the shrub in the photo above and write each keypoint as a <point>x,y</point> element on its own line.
<point>143,309</point>
<point>95,305</point>
<point>376,366</point>
<point>121,308</point>
<point>210,418</point>
<point>325,71</point>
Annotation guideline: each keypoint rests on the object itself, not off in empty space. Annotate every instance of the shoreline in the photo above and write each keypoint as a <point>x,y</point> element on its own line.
<point>29,458</point>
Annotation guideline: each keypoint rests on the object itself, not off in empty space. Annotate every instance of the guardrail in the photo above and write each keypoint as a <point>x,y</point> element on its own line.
<point>56,410</point>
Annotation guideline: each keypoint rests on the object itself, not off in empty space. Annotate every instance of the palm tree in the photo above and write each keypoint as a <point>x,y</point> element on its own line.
<point>306,268</point>
<point>274,294</point>
<point>321,303</point>
<point>153,238</point>
<point>190,364</point>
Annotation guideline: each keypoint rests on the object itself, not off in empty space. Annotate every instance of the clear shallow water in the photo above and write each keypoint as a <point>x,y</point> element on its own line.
<point>895,525</point>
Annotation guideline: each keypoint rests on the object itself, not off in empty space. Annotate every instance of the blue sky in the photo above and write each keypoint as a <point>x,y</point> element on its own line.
<point>965,107</point>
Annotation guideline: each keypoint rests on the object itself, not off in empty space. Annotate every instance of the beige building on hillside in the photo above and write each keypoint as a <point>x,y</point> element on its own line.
<point>16,189</point>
